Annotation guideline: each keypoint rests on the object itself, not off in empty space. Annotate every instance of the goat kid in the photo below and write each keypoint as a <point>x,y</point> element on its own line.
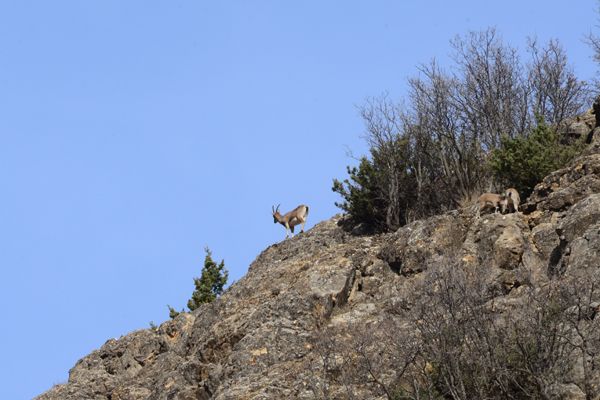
<point>512,198</point>
<point>491,199</point>
<point>289,220</point>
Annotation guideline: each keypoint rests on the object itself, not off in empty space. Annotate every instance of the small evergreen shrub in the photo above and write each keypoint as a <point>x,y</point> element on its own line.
<point>208,287</point>
<point>524,161</point>
<point>211,282</point>
<point>360,194</point>
<point>173,313</point>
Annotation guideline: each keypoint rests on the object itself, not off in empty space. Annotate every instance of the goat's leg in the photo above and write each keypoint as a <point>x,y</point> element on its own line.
<point>302,221</point>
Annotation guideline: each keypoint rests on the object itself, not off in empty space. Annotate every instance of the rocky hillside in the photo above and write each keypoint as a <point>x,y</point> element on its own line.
<point>329,314</point>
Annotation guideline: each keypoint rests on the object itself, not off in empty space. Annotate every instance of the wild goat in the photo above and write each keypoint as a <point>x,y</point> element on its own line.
<point>491,199</point>
<point>512,198</point>
<point>290,220</point>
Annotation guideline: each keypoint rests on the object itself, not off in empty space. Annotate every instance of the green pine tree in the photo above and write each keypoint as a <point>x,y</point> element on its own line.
<point>211,282</point>
<point>361,195</point>
<point>524,161</point>
<point>173,313</point>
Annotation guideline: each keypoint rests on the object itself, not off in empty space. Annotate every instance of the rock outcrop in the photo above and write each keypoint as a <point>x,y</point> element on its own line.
<point>263,339</point>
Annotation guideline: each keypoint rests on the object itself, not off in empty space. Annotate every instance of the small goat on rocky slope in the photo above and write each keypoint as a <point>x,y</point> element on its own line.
<point>491,199</point>
<point>512,198</point>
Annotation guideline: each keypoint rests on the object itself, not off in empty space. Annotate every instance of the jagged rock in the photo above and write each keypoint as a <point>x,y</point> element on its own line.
<point>327,287</point>
<point>574,129</point>
<point>565,187</point>
<point>413,247</point>
<point>593,138</point>
<point>508,248</point>
<point>578,130</point>
<point>596,110</point>
<point>545,238</point>
<point>580,217</point>
<point>584,250</point>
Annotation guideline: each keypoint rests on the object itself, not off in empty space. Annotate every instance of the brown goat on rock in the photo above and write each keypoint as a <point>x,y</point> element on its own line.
<point>289,220</point>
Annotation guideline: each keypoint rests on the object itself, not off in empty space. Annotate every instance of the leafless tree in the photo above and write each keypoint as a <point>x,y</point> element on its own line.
<point>582,318</point>
<point>323,365</point>
<point>555,92</point>
<point>389,153</point>
<point>377,359</point>
<point>593,41</point>
<point>455,151</point>
<point>480,351</point>
<point>541,354</point>
<point>429,196</point>
<point>492,94</point>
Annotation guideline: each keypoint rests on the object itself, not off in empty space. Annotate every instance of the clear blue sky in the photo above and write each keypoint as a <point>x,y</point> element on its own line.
<point>135,133</point>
